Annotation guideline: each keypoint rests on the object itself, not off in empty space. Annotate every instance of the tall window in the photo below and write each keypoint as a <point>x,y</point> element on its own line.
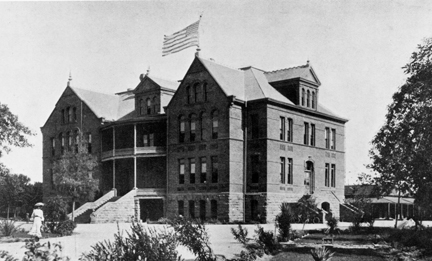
<point>52,146</point>
<point>308,99</point>
<point>62,143</point>
<point>63,116</point>
<point>215,124</point>
<point>69,114</point>
<point>215,169</point>
<point>181,171</point>
<point>313,100</point>
<point>155,105</point>
<point>181,208</point>
<point>290,130</point>
<point>74,114</point>
<point>213,209</point>
<point>327,138</point>
<point>142,107</point>
<point>282,128</point>
<point>312,134</point>
<point>192,171</point>
<point>196,88</point>
<point>289,170</point>
<point>192,127</point>
<point>333,175</point>
<point>203,176</point>
<point>191,209</point>
<point>148,106</point>
<point>306,134</point>
<point>282,170</point>
<point>70,138</point>
<point>201,125</point>
<point>182,127</point>
<point>303,97</point>
<point>203,210</point>
<point>76,141</point>
<point>189,95</point>
<point>255,164</point>
<point>327,175</point>
<point>205,91</point>
<point>255,126</point>
<point>89,143</point>
<point>333,139</point>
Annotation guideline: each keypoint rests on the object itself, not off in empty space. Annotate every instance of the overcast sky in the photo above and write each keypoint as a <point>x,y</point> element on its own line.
<point>357,49</point>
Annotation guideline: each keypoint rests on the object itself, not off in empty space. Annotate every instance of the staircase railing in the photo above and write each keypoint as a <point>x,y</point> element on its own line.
<point>94,205</point>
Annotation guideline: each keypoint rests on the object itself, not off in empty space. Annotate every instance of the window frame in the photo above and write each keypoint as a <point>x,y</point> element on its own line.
<point>282,170</point>
<point>214,169</point>
<point>289,130</point>
<point>181,171</point>
<point>203,170</point>
<point>215,124</point>
<point>282,129</point>
<point>192,171</point>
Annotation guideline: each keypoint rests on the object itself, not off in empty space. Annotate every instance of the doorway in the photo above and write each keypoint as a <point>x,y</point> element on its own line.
<point>151,209</point>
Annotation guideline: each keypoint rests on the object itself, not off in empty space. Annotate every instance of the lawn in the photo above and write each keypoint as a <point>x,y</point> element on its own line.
<point>300,254</point>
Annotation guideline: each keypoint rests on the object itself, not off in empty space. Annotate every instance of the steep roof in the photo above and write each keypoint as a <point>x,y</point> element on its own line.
<point>164,83</point>
<point>303,71</point>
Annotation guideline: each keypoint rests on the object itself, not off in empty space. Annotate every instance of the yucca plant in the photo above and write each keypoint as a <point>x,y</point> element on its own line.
<point>8,228</point>
<point>322,254</point>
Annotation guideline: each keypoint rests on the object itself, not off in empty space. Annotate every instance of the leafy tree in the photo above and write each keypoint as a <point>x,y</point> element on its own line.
<point>12,132</point>
<point>73,175</point>
<point>400,150</point>
<point>305,208</point>
<point>12,189</point>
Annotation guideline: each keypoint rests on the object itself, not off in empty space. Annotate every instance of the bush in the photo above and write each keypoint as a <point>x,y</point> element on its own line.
<point>422,239</point>
<point>332,223</point>
<point>8,227</point>
<point>240,234</point>
<point>321,254</point>
<point>6,256</point>
<point>267,240</point>
<point>46,251</point>
<point>283,221</point>
<point>55,212</point>
<point>65,228</point>
<point>140,244</point>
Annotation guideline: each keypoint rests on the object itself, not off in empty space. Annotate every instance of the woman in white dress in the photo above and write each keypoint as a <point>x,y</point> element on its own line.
<point>38,218</point>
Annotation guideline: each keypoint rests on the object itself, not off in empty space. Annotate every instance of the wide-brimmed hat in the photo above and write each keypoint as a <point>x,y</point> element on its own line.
<point>40,204</point>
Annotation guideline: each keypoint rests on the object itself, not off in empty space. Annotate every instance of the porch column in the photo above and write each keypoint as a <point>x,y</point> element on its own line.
<point>388,211</point>
<point>135,159</point>
<point>113,173</point>
<point>113,156</point>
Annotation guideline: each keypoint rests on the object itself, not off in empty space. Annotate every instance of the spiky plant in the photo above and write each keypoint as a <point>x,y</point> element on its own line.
<point>322,254</point>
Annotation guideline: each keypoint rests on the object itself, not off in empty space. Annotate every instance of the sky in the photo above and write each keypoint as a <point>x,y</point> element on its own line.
<point>357,49</point>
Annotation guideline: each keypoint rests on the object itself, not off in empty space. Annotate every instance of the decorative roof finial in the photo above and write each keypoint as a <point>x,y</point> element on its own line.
<point>70,79</point>
<point>148,71</point>
<point>308,62</point>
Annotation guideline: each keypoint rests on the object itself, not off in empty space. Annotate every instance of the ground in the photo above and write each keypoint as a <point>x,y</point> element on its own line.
<point>222,241</point>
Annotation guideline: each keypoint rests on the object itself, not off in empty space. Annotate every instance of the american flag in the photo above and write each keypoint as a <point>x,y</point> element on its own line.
<point>181,40</point>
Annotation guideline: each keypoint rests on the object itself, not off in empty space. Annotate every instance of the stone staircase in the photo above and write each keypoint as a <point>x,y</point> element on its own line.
<point>120,210</point>
<point>82,214</point>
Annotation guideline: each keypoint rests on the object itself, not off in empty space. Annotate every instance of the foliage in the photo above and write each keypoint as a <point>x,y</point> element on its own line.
<point>139,244</point>
<point>73,174</point>
<point>12,190</point>
<point>321,254</point>
<point>193,236</point>
<point>283,222</point>
<point>421,239</point>
<point>65,228</point>
<point>400,149</point>
<point>55,213</point>
<point>6,256</point>
<point>12,132</point>
<point>240,234</point>
<point>305,208</point>
<point>332,224</point>
<point>47,251</point>
<point>8,227</point>
<point>267,240</point>
<point>33,193</point>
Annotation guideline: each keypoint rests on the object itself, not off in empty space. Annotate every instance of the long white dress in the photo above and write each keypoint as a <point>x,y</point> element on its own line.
<point>37,217</point>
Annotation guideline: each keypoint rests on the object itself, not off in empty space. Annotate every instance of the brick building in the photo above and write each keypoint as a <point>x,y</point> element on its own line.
<point>227,144</point>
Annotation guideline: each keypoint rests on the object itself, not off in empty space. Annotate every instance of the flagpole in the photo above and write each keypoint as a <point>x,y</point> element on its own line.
<point>198,47</point>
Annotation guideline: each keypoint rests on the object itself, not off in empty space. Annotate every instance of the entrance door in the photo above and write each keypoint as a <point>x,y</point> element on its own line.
<point>151,209</point>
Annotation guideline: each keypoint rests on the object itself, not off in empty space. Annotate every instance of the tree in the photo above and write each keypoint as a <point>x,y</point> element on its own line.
<point>306,207</point>
<point>73,175</point>
<point>12,132</point>
<point>401,148</point>
<point>12,190</point>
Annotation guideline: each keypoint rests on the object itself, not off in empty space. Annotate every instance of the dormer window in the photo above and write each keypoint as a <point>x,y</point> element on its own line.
<point>308,99</point>
<point>303,97</point>
<point>142,107</point>
<point>313,100</point>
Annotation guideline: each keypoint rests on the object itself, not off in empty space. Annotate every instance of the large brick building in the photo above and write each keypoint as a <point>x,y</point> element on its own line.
<point>227,144</point>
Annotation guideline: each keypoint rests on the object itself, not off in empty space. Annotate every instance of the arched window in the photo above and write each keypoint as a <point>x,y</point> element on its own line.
<point>62,143</point>
<point>76,140</point>
<point>215,124</point>
<point>189,95</point>
<point>196,90</point>
<point>205,91</point>
<point>148,106</point>
<point>313,100</point>
<point>182,128</point>
<point>69,111</point>
<point>201,125</point>
<point>74,114</point>
<point>155,105</point>
<point>63,116</point>
<point>192,127</point>
<point>142,107</point>
<point>308,99</point>
<point>303,97</point>
<point>69,137</point>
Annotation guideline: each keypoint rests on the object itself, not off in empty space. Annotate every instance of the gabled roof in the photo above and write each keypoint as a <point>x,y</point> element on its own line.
<point>304,71</point>
<point>164,83</point>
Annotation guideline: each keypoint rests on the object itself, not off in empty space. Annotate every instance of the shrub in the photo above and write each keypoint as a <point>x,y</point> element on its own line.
<point>267,240</point>
<point>422,239</point>
<point>283,221</point>
<point>321,254</point>
<point>6,256</point>
<point>332,224</point>
<point>55,211</point>
<point>139,244</point>
<point>8,227</point>
<point>65,228</point>
<point>240,234</point>
<point>46,251</point>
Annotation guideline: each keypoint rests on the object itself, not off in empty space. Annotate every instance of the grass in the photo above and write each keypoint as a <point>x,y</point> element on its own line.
<point>300,254</point>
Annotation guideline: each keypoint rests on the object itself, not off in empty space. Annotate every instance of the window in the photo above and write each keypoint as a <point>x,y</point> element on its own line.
<point>181,171</point>
<point>142,107</point>
<point>215,169</point>
<point>327,138</point>
<point>191,209</point>
<point>290,171</point>
<point>69,137</point>
<point>189,95</point>
<point>148,140</point>
<point>215,124</point>
<point>213,209</point>
<point>182,128</point>
<point>202,210</point>
<point>89,143</point>
<point>196,92</point>
<point>192,171</point>
<point>205,91</point>
<point>333,175</point>
<point>254,126</point>
<point>155,105</point>
<point>333,139</point>
<point>306,134</point>
<point>290,130</point>
<point>148,106</point>
<point>282,170</point>
<point>63,117</point>
<point>308,99</point>
<point>312,135</point>
<point>181,208</point>
<point>74,114</point>
<point>62,143</point>
<point>313,100</point>
<point>52,146</point>
<point>76,141</point>
<point>326,175</point>
<point>201,125</point>
<point>255,160</point>
<point>303,97</point>
<point>69,114</point>
<point>282,128</point>
<point>203,176</point>
<point>192,127</point>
